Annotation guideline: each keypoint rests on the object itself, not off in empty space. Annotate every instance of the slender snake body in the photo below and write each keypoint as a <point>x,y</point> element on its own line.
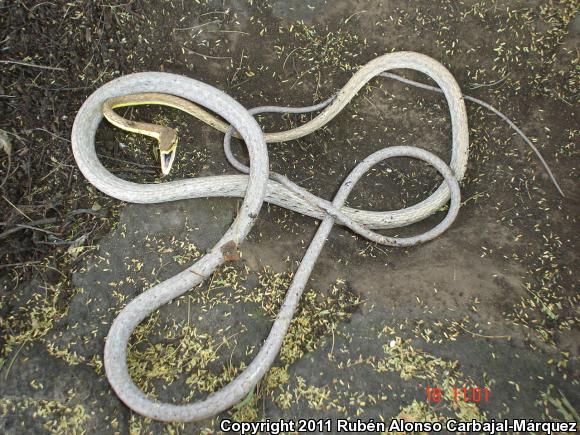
<point>255,185</point>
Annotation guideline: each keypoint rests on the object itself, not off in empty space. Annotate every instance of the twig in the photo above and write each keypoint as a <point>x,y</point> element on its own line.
<point>287,57</point>
<point>353,15</point>
<point>14,359</point>
<point>30,226</point>
<point>485,85</point>
<point>32,65</point>
<point>239,67</point>
<point>33,224</point>
<point>207,55</point>
<point>240,83</point>
<point>16,208</point>
<point>30,263</point>
<point>7,171</point>
<point>41,4</point>
<point>228,31</point>
<point>49,132</point>
<point>214,12</point>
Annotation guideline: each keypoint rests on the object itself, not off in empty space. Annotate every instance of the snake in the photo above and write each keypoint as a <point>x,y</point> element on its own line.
<point>255,184</point>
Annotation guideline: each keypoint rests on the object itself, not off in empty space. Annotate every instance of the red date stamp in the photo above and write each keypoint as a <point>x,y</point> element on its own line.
<point>465,394</point>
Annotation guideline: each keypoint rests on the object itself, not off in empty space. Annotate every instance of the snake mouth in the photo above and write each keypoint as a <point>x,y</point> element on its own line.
<point>166,158</point>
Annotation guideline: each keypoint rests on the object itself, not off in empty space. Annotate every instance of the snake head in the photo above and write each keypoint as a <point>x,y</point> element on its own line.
<point>167,147</point>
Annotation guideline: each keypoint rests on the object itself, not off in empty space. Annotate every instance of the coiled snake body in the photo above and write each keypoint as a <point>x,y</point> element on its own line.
<point>255,185</point>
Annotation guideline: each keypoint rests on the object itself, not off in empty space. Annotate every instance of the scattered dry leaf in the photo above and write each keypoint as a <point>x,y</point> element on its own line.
<point>5,143</point>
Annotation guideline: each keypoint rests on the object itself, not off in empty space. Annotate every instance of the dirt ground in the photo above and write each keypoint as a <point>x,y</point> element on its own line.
<point>491,303</point>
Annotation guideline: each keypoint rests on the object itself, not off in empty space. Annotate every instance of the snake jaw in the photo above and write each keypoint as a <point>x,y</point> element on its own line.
<point>166,158</point>
<point>167,146</point>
